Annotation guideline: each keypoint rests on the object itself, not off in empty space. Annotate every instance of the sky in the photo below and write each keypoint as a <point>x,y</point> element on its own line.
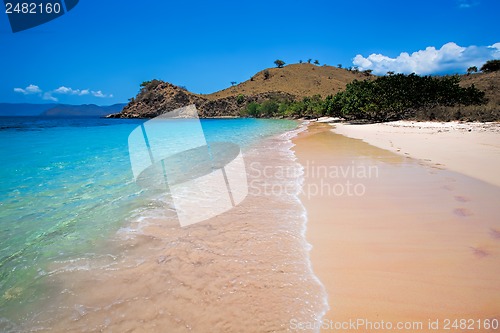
<point>100,51</point>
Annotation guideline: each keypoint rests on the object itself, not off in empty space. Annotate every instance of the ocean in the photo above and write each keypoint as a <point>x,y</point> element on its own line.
<point>83,247</point>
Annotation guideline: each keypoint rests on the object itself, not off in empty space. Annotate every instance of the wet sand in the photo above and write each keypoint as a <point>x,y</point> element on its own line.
<point>409,242</point>
<point>246,270</point>
<point>472,149</point>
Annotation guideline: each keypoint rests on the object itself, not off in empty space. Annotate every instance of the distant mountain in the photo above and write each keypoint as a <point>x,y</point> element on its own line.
<point>58,110</point>
<point>88,110</point>
<point>23,109</point>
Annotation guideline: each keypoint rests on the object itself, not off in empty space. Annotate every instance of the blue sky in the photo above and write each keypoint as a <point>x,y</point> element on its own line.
<point>102,50</point>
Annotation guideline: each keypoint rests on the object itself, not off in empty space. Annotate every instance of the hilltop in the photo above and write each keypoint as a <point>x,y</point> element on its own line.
<point>290,83</point>
<point>296,79</point>
<point>487,82</point>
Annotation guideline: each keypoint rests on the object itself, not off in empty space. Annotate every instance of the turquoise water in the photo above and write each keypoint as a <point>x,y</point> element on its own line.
<point>66,185</point>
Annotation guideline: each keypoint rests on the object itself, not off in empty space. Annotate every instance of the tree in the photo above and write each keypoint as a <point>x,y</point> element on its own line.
<point>471,70</point>
<point>266,74</point>
<point>233,83</point>
<point>339,66</point>
<point>253,110</point>
<point>368,72</point>
<point>399,96</point>
<point>150,85</point>
<point>390,73</point>
<point>491,66</point>
<point>269,108</point>
<point>300,61</point>
<point>279,63</point>
<point>316,62</point>
<point>309,61</point>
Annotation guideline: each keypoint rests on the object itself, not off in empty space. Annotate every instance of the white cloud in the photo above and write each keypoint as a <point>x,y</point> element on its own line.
<point>48,96</point>
<point>464,4</point>
<point>31,89</point>
<point>69,91</point>
<point>100,94</point>
<point>449,58</point>
<point>62,90</point>
<point>495,49</point>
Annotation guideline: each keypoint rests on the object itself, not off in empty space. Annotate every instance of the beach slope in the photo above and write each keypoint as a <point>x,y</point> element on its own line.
<point>396,241</point>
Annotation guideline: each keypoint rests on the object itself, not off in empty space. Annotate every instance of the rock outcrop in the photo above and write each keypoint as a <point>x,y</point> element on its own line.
<point>160,97</point>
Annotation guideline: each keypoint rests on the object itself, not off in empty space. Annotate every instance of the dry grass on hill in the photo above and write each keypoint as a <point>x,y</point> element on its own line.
<point>296,79</point>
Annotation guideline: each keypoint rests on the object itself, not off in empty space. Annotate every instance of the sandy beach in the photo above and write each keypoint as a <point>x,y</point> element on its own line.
<point>472,149</point>
<point>406,242</point>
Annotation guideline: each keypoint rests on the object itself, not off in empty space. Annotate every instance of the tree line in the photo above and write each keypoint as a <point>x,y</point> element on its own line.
<point>386,98</point>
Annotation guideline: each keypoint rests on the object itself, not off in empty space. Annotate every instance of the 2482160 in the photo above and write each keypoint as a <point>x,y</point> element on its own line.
<point>32,8</point>
<point>470,324</point>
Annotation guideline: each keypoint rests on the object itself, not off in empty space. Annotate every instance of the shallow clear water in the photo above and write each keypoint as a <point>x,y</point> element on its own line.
<point>67,187</point>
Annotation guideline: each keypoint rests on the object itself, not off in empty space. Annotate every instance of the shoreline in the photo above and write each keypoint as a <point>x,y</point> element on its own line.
<point>245,270</point>
<point>419,243</point>
<point>472,149</point>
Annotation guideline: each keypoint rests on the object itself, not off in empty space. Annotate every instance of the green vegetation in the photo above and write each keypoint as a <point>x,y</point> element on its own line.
<point>149,85</point>
<point>316,62</point>
<point>279,63</point>
<point>491,66</point>
<point>252,110</point>
<point>472,69</point>
<point>400,96</point>
<point>147,88</point>
<point>240,99</point>
<point>385,98</point>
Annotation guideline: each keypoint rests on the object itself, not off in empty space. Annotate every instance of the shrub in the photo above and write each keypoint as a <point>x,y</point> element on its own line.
<point>266,74</point>
<point>253,110</point>
<point>472,69</point>
<point>491,66</point>
<point>240,99</point>
<point>150,85</point>
<point>399,96</point>
<point>279,63</point>
<point>269,108</point>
